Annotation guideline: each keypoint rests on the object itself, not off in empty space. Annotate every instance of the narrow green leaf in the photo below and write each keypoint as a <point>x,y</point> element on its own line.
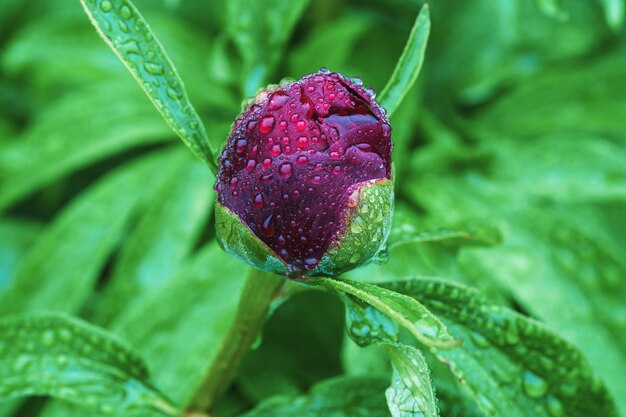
<point>512,365</point>
<point>198,307</point>
<point>338,397</point>
<point>411,393</point>
<point>409,65</point>
<point>61,356</point>
<point>398,309</point>
<point>123,28</point>
<point>60,269</point>
<point>56,143</point>
<point>164,236</point>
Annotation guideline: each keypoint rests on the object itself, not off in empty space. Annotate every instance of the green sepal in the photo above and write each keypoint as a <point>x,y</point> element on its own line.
<point>367,227</point>
<point>237,239</point>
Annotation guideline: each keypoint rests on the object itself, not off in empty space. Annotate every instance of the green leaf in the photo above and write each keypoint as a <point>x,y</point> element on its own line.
<point>614,13</point>
<point>122,27</point>
<point>512,365</point>
<point>409,65</point>
<point>164,236</point>
<point>60,270</point>
<point>397,308</point>
<point>198,307</point>
<point>314,52</point>
<point>61,356</point>
<point>260,31</point>
<point>411,393</point>
<point>339,397</point>
<point>16,236</point>
<point>57,144</point>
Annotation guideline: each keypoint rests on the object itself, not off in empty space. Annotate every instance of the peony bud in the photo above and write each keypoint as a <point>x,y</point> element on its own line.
<point>305,179</point>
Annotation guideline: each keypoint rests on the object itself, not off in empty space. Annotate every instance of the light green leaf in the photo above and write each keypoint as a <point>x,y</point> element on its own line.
<point>339,397</point>
<point>198,307</point>
<point>16,236</point>
<point>409,65</point>
<point>363,299</point>
<point>123,28</point>
<point>614,13</point>
<point>260,31</point>
<point>59,271</point>
<point>411,393</point>
<point>512,365</point>
<point>61,356</point>
<point>77,130</point>
<point>164,236</point>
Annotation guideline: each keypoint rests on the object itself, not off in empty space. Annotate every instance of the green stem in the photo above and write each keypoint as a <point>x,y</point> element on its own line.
<point>260,290</point>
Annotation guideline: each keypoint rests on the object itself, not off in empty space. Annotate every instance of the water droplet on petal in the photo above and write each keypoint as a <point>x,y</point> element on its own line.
<point>277,101</point>
<point>268,228</point>
<point>267,124</point>
<point>311,263</point>
<point>258,201</point>
<point>266,163</point>
<point>251,164</point>
<point>242,144</point>
<point>302,160</point>
<point>301,125</point>
<point>285,169</point>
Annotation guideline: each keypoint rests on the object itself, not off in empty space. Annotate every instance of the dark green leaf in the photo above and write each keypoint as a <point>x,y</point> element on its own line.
<point>197,307</point>
<point>59,271</point>
<point>164,236</point>
<point>57,355</point>
<point>122,27</point>
<point>340,397</point>
<point>408,66</point>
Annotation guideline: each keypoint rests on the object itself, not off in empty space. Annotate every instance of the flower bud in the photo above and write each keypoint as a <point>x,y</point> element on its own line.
<point>305,179</point>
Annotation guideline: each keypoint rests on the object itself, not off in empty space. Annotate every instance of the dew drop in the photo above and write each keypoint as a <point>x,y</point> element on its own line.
<point>126,13</point>
<point>302,160</point>
<point>281,240</point>
<point>233,182</point>
<point>251,164</point>
<point>267,228</point>
<point>266,163</point>
<point>285,169</point>
<point>265,178</point>
<point>106,6</point>
<point>555,408</point>
<point>534,386</point>
<point>316,179</point>
<point>258,201</point>
<point>303,141</point>
<point>278,100</point>
<point>310,263</point>
<point>47,337</point>
<point>242,144</point>
<point>275,150</point>
<point>301,125</point>
<point>267,124</point>
<point>251,126</point>
<point>334,154</point>
<point>154,69</point>
<point>310,89</point>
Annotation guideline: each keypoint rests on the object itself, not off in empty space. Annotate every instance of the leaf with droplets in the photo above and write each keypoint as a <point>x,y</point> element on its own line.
<point>61,356</point>
<point>123,28</point>
<point>411,393</point>
<point>339,397</point>
<point>512,365</point>
<point>408,66</point>
<point>363,300</point>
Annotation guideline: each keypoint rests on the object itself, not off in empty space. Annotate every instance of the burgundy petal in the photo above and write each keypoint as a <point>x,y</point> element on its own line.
<point>292,160</point>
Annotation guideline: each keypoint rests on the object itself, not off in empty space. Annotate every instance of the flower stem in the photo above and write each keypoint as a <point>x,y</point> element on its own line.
<point>257,296</point>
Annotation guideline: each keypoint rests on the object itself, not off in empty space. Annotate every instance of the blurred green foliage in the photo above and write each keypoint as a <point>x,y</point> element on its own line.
<point>510,157</point>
